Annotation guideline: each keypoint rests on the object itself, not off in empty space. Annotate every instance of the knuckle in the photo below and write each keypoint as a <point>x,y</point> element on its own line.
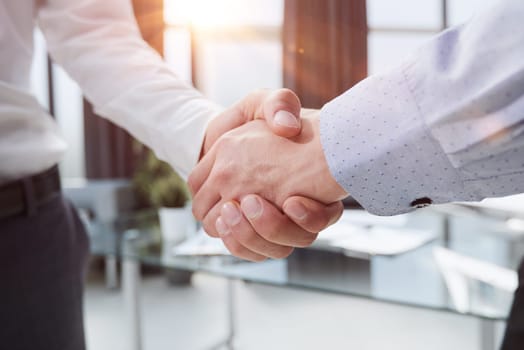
<point>282,253</point>
<point>191,182</point>
<point>309,240</point>
<point>287,94</point>
<point>272,235</point>
<point>258,258</point>
<point>221,142</point>
<point>235,248</point>
<point>222,174</point>
<point>338,213</point>
<point>209,227</point>
<point>209,222</point>
<point>226,142</point>
<point>289,252</point>
<point>259,92</point>
<point>223,183</point>
<point>304,241</point>
<point>319,222</point>
<point>248,238</point>
<point>285,98</point>
<point>242,252</point>
<point>197,212</point>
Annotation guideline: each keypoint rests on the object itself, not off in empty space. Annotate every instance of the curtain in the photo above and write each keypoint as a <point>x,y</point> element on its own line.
<point>325,48</point>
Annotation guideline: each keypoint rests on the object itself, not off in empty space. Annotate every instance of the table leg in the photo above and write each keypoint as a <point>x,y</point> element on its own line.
<point>231,312</point>
<point>131,292</point>
<point>228,343</point>
<point>487,334</point>
<point>111,272</point>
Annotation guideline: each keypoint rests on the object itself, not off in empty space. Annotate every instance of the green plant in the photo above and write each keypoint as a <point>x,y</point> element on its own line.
<point>158,185</point>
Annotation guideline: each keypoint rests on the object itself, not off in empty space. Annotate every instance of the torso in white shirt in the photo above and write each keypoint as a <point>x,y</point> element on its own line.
<point>29,138</point>
<point>98,43</point>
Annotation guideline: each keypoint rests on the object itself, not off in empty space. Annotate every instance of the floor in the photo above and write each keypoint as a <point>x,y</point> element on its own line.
<point>195,317</point>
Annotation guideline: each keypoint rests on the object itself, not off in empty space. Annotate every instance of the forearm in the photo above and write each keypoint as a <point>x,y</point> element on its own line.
<point>446,125</point>
<point>98,43</point>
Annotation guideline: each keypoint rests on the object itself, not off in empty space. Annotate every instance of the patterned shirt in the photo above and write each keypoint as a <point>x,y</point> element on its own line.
<point>446,125</point>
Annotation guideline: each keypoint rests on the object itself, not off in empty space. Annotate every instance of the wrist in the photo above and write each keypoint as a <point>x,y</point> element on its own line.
<point>313,168</point>
<point>333,190</point>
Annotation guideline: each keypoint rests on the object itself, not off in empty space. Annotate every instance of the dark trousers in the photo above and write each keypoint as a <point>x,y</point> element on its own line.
<point>42,267</point>
<point>514,336</point>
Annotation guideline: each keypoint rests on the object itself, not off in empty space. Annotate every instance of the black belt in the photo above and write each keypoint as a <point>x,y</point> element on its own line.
<point>26,195</point>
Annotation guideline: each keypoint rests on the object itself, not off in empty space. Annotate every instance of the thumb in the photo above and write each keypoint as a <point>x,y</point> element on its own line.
<point>311,215</point>
<point>281,110</point>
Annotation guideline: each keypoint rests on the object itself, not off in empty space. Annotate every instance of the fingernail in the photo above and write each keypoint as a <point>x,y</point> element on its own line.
<point>296,211</point>
<point>230,214</point>
<point>251,206</point>
<point>222,228</point>
<point>286,119</point>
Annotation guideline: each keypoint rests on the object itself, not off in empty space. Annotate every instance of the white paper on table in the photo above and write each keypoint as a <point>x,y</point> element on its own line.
<point>201,244</point>
<point>363,218</point>
<point>374,240</point>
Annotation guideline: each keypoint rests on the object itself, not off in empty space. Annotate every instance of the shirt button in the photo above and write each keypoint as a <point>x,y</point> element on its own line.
<point>421,203</point>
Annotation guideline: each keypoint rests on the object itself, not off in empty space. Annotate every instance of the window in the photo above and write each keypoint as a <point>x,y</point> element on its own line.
<point>234,45</point>
<point>396,28</point>
<point>231,47</point>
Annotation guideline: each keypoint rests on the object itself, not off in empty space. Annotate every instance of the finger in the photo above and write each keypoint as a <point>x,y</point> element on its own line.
<point>234,246</point>
<point>204,200</point>
<point>281,109</point>
<point>201,172</point>
<point>228,120</point>
<point>311,215</point>
<point>240,228</point>
<point>208,223</point>
<point>273,225</point>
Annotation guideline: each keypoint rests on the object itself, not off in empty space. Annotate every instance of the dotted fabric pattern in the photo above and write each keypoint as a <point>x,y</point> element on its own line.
<point>447,125</point>
<point>380,151</point>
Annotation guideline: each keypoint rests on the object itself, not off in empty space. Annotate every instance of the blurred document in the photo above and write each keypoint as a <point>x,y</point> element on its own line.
<point>201,244</point>
<point>373,240</point>
<point>511,204</point>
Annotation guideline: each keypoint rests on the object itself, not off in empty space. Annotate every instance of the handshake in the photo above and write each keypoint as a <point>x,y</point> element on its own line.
<point>263,184</point>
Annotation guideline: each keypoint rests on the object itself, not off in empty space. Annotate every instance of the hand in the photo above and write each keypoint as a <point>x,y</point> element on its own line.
<point>256,172</point>
<point>254,234</point>
<point>251,159</point>
<point>280,108</point>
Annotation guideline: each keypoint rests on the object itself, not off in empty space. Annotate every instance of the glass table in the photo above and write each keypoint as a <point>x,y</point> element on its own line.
<point>421,277</point>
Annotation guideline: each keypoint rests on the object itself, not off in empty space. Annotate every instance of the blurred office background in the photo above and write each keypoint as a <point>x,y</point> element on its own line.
<point>228,48</point>
<point>238,48</point>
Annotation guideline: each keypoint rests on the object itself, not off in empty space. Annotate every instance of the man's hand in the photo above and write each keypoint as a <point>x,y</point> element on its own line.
<point>251,159</point>
<point>264,231</point>
<point>280,108</point>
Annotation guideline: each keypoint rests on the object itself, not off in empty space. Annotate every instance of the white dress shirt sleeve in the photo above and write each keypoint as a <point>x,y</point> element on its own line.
<point>447,125</point>
<point>99,44</point>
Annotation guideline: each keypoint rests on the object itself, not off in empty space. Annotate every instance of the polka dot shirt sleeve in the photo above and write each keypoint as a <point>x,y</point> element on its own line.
<point>447,125</point>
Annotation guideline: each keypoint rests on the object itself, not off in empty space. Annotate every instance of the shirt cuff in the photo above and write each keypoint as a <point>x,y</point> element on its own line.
<point>378,147</point>
<point>183,142</point>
